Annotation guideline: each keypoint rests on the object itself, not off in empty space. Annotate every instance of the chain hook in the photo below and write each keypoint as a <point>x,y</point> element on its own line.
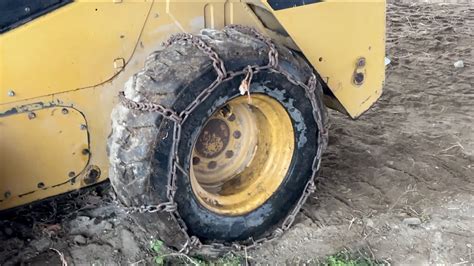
<point>245,84</point>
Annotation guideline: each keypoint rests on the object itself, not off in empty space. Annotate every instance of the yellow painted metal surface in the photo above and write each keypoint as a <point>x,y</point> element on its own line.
<point>40,149</point>
<point>80,57</point>
<point>333,36</point>
<point>73,47</point>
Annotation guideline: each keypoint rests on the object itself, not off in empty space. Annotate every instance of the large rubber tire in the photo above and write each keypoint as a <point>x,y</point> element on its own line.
<point>140,143</point>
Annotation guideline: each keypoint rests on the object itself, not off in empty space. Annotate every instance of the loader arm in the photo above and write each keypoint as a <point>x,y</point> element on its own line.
<point>344,40</point>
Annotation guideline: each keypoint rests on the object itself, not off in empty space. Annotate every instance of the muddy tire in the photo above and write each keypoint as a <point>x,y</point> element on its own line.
<point>140,143</point>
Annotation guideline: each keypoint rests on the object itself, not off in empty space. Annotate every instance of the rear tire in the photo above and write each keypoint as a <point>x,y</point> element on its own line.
<point>140,143</point>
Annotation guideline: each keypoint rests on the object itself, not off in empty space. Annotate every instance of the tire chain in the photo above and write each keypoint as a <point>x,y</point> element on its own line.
<point>178,118</point>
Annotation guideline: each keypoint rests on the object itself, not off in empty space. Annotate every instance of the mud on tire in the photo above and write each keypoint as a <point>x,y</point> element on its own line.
<point>140,142</point>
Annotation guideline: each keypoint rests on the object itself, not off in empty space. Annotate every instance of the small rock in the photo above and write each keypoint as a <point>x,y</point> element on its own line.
<point>459,64</point>
<point>107,226</point>
<point>369,223</point>
<point>41,244</point>
<point>129,246</point>
<point>412,221</point>
<point>79,239</point>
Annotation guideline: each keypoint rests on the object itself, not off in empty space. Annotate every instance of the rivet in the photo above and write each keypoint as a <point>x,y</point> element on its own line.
<point>85,151</point>
<point>64,111</point>
<point>83,127</point>
<point>11,93</point>
<point>7,194</point>
<point>361,62</point>
<point>71,174</point>
<point>31,115</point>
<point>27,9</point>
<point>40,185</point>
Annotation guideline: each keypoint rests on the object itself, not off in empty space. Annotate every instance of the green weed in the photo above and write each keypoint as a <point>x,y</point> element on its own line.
<point>346,259</point>
<point>163,258</point>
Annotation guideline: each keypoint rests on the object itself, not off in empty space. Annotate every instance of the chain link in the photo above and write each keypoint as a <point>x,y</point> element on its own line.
<point>223,75</point>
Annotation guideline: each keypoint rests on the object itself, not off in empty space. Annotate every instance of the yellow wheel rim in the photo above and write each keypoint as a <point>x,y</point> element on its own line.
<point>242,155</point>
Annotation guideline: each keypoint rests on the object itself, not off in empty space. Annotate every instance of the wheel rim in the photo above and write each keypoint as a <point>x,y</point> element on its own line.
<point>242,155</point>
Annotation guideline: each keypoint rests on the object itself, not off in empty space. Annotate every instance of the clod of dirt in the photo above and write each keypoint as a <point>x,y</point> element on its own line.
<point>79,239</point>
<point>93,254</point>
<point>130,247</point>
<point>41,244</point>
<point>413,221</point>
<point>369,223</point>
<point>84,225</point>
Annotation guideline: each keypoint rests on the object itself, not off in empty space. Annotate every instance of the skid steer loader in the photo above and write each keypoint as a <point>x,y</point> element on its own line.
<point>208,117</point>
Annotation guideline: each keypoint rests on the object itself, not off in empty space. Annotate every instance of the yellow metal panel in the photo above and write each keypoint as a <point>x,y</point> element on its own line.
<point>40,149</point>
<point>70,48</point>
<point>333,35</point>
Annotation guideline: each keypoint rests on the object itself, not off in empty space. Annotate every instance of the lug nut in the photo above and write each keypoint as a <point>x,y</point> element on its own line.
<point>231,117</point>
<point>212,165</point>
<point>229,154</point>
<point>237,134</point>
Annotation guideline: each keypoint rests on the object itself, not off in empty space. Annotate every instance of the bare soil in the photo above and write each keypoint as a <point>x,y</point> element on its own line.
<point>397,185</point>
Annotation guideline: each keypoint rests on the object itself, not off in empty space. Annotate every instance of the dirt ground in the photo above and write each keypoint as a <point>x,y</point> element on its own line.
<point>397,185</point>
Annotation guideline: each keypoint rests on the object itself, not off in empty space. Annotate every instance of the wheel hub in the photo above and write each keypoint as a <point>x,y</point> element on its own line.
<point>242,155</point>
<point>213,139</point>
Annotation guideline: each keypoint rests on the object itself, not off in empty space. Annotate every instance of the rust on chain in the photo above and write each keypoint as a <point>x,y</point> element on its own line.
<point>148,107</point>
<point>193,242</point>
<point>201,45</point>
